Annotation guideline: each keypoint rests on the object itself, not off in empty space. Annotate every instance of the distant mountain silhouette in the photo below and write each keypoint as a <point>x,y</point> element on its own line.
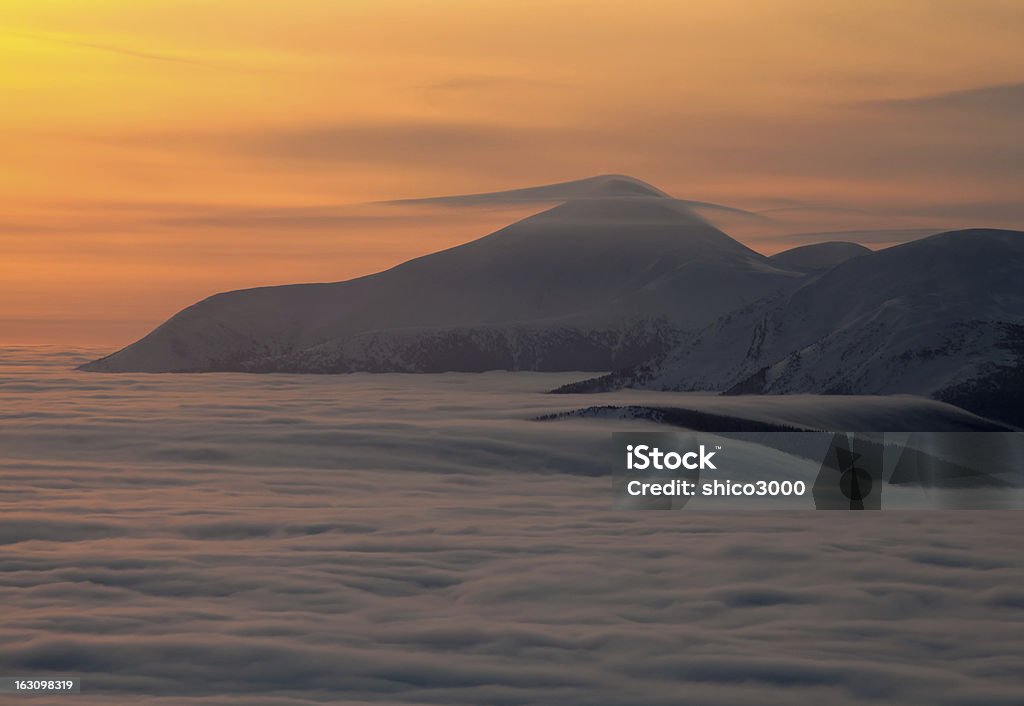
<point>609,278</point>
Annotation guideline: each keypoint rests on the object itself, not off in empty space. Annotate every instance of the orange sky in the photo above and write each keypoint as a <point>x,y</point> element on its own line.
<point>155,152</point>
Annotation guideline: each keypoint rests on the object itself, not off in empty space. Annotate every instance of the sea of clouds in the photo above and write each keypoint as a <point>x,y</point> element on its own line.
<point>394,539</point>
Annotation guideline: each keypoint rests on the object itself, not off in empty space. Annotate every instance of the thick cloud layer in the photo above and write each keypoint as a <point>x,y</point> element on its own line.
<point>286,540</point>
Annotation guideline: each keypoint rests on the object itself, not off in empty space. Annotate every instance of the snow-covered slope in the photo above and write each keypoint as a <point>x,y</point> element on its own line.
<point>941,317</point>
<point>602,281</point>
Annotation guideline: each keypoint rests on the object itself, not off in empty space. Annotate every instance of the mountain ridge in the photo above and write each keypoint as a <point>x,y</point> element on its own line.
<point>941,317</point>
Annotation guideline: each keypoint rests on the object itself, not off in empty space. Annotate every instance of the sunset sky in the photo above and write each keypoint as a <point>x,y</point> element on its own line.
<point>158,151</point>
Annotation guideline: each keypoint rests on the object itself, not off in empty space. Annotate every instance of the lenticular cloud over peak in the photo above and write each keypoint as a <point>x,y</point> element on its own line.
<point>602,186</point>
